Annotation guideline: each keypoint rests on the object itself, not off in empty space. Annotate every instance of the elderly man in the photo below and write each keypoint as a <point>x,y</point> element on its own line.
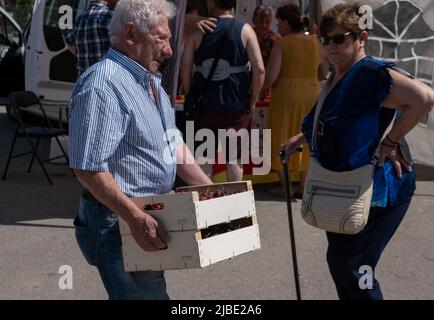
<point>120,146</point>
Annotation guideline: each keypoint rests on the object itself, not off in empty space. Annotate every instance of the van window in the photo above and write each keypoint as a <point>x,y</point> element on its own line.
<point>3,33</point>
<point>13,34</point>
<point>52,32</point>
<point>63,63</point>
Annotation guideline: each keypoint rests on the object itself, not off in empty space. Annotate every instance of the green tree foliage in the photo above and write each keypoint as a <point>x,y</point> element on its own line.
<point>21,9</point>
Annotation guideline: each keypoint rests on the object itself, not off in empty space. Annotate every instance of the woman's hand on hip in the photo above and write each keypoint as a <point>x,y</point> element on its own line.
<point>393,152</point>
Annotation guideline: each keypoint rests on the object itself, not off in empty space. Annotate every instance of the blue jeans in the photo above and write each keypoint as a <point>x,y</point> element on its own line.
<point>347,253</point>
<point>97,234</point>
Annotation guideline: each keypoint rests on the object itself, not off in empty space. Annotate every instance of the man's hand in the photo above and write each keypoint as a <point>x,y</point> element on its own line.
<point>148,233</point>
<point>393,152</point>
<point>205,25</point>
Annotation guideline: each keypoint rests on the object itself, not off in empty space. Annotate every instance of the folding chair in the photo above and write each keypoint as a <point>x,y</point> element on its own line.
<point>18,102</point>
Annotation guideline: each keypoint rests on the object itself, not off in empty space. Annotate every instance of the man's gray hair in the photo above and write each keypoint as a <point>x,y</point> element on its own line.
<point>145,14</point>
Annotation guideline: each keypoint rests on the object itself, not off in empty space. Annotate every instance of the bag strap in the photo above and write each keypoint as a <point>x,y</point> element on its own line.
<point>219,52</point>
<point>323,95</point>
<point>386,132</point>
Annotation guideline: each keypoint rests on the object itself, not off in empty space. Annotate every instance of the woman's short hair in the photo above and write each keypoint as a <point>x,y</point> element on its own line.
<point>346,16</point>
<point>261,12</point>
<point>145,14</point>
<point>292,14</point>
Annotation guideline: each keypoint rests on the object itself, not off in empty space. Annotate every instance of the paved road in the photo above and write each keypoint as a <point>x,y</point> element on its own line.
<point>37,238</point>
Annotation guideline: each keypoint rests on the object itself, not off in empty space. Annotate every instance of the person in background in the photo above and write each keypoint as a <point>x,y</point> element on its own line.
<point>262,18</point>
<point>230,100</point>
<point>293,73</point>
<point>191,12</point>
<point>89,39</point>
<point>362,96</point>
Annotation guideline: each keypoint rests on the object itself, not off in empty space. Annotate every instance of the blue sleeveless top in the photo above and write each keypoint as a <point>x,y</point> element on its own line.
<point>351,124</point>
<point>232,93</point>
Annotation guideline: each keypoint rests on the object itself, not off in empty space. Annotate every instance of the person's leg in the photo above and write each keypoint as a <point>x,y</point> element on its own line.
<point>237,147</point>
<point>105,243</point>
<point>84,231</point>
<point>303,175</point>
<point>234,172</point>
<point>348,256</point>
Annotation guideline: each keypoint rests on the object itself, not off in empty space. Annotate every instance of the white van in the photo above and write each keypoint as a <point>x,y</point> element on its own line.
<point>50,68</point>
<point>11,56</point>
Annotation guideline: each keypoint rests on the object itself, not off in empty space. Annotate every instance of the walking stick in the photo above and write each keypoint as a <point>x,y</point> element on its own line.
<point>291,223</point>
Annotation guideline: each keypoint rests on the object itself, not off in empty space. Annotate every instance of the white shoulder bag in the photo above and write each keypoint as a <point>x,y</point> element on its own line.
<point>337,201</point>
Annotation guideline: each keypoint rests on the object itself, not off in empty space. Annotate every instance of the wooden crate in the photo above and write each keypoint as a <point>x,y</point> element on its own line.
<point>201,232</point>
<point>183,210</point>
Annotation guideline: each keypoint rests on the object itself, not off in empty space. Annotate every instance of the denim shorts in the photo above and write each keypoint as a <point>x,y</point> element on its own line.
<point>97,234</point>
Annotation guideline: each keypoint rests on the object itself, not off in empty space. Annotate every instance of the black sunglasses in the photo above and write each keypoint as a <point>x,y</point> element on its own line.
<point>337,38</point>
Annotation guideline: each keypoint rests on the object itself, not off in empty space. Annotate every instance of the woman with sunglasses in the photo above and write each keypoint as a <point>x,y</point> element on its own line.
<point>292,73</point>
<point>361,103</point>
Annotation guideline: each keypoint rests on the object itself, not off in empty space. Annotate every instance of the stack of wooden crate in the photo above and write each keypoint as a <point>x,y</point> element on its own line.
<point>202,231</point>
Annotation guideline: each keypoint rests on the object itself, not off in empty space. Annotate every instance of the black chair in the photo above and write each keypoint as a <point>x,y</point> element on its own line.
<point>19,101</point>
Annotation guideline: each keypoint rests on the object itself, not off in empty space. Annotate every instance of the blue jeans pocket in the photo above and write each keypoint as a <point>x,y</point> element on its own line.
<point>84,240</point>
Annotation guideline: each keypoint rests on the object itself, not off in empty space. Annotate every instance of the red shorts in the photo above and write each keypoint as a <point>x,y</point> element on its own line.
<point>225,120</point>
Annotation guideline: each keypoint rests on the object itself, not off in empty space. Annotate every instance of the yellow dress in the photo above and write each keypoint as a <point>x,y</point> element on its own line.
<point>292,97</point>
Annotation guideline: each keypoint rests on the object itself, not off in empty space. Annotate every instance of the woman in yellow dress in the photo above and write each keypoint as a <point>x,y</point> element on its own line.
<point>293,73</point>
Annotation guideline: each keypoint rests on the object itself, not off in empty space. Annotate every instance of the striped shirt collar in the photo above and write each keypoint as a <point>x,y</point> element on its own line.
<point>99,3</point>
<point>140,73</point>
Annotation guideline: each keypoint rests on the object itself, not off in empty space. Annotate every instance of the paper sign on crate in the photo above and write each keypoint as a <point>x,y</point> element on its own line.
<point>201,232</point>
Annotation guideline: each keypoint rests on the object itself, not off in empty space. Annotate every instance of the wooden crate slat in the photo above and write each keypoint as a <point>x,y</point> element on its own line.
<point>229,187</point>
<point>182,253</point>
<point>179,211</point>
<point>229,245</point>
<point>225,209</point>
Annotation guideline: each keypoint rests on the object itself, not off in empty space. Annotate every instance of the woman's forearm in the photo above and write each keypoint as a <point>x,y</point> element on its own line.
<point>409,118</point>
